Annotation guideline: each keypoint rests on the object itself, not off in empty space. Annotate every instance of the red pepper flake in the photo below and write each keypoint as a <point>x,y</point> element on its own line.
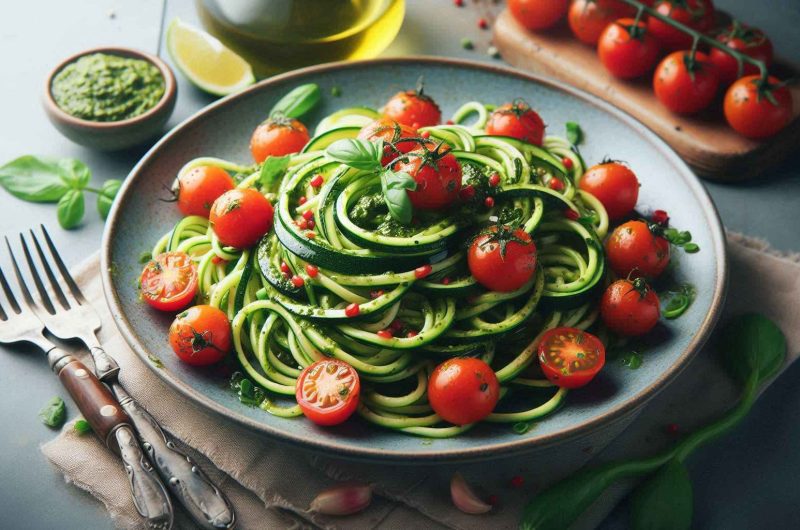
<point>316,181</point>
<point>493,500</point>
<point>302,200</point>
<point>216,260</point>
<point>411,334</point>
<point>450,122</point>
<point>494,180</point>
<point>489,202</point>
<point>467,192</point>
<point>571,214</point>
<point>482,23</point>
<point>422,272</point>
<point>311,224</point>
<point>308,214</point>
<point>385,334</point>
<point>673,428</point>
<point>397,325</point>
<point>285,267</point>
<point>298,281</point>
<point>377,293</point>
<point>426,134</point>
<point>660,216</point>
<point>311,235</point>
<point>302,224</point>
<point>352,310</point>
<point>555,184</point>
<point>458,3</point>
<point>446,280</point>
<point>312,270</point>
<point>517,481</point>
<point>567,163</point>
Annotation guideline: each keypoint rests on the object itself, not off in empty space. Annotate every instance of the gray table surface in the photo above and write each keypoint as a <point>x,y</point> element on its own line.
<point>747,480</point>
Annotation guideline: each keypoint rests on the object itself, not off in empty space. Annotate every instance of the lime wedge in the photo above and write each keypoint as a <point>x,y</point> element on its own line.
<point>208,63</point>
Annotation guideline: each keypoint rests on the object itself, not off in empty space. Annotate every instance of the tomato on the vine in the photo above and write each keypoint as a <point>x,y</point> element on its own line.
<point>570,357</point>
<point>328,391</point>
<point>634,250</point>
<point>685,84</point>
<point>413,108</point>
<point>277,137</point>
<point>517,120</point>
<point>463,390</point>
<point>630,307</point>
<point>169,281</point>
<point>538,14</point>
<point>391,133</point>
<point>697,14</point>
<point>200,187</point>
<point>749,41</point>
<point>240,217</point>
<point>627,49</point>
<point>588,18</point>
<point>201,335</point>
<point>614,185</point>
<point>437,174</point>
<point>502,258</point>
<point>756,109</point>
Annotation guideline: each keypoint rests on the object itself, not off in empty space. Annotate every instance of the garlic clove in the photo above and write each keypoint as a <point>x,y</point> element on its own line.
<point>342,499</point>
<point>465,498</point>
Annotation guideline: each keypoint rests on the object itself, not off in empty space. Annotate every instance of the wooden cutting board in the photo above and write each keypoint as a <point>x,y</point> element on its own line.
<point>705,141</point>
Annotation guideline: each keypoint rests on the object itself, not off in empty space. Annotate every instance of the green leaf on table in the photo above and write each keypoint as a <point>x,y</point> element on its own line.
<point>394,186</point>
<point>32,179</point>
<point>358,154</point>
<point>82,427</point>
<point>70,209</point>
<point>106,196</point>
<point>75,172</point>
<point>663,501</point>
<point>752,343</point>
<point>54,413</point>
<point>574,133</point>
<point>272,169</point>
<point>297,102</point>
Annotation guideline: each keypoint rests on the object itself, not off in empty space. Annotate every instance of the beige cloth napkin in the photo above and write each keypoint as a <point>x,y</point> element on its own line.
<point>271,484</point>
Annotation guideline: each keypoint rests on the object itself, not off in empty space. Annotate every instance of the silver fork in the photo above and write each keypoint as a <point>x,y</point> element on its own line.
<point>69,315</point>
<point>109,422</point>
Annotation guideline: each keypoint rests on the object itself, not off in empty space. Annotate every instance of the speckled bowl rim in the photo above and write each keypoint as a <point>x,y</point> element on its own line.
<point>330,444</point>
<point>170,89</point>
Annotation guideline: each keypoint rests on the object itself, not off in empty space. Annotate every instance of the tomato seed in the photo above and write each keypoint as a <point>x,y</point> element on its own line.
<point>352,310</point>
<point>312,270</point>
<point>422,272</point>
<point>298,281</point>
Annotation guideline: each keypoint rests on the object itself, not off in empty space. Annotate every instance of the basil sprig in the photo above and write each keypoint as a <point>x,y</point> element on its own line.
<point>297,102</point>
<point>273,168</point>
<point>365,155</point>
<point>574,133</point>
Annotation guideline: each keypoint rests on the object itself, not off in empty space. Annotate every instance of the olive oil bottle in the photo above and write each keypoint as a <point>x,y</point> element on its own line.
<point>279,35</point>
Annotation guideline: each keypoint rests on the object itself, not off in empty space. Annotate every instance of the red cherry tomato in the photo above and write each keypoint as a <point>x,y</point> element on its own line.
<point>627,50</point>
<point>391,133</point>
<point>437,174</point>
<point>685,86</point>
<point>749,41</point>
<point>630,308</point>
<point>588,18</point>
<point>538,14</point>
<point>755,111</point>
<point>633,250</point>
<point>413,108</point>
<point>570,357</point>
<point>200,187</point>
<point>463,390</point>
<point>614,185</point>
<point>169,281</point>
<point>240,217</point>
<point>697,14</point>
<point>502,270</point>
<point>516,120</point>
<point>201,335</point>
<point>328,391</point>
<point>278,137</point>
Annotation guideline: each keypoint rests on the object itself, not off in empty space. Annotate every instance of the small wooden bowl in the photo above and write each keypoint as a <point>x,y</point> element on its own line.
<point>113,135</point>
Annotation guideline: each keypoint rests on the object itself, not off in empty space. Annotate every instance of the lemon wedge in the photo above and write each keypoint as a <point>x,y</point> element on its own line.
<point>209,64</point>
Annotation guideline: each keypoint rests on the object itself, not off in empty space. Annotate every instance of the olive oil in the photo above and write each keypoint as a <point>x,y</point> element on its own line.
<point>279,35</point>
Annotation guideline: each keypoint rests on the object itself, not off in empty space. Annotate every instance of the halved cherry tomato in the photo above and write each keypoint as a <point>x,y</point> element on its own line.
<point>749,41</point>
<point>614,185</point>
<point>328,391</point>
<point>391,133</point>
<point>502,258</point>
<point>201,335</point>
<point>200,187</point>
<point>697,14</point>
<point>413,108</point>
<point>437,174</point>
<point>240,217</point>
<point>634,250</point>
<point>627,49</point>
<point>277,137</point>
<point>755,110</point>
<point>169,281</point>
<point>570,357</point>
<point>517,120</point>
<point>588,18</point>
<point>630,307</point>
<point>538,14</point>
<point>685,85</point>
<point>463,390</point>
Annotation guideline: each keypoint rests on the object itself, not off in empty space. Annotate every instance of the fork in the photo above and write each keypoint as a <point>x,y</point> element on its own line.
<point>111,424</point>
<point>69,315</point>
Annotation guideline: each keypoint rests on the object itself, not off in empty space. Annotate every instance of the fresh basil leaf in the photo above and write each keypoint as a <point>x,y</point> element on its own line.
<point>75,172</point>
<point>106,196</point>
<point>54,413</point>
<point>664,501</point>
<point>70,209</point>
<point>82,427</point>
<point>32,179</point>
<point>358,154</point>
<point>574,133</point>
<point>273,168</point>
<point>297,102</point>
<point>752,343</point>
<point>394,186</point>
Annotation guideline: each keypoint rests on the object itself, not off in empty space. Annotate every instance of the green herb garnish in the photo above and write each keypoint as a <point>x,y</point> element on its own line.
<point>54,413</point>
<point>297,102</point>
<point>574,133</point>
<point>82,427</point>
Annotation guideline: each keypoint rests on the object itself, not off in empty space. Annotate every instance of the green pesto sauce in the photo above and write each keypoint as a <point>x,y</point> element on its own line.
<point>102,87</point>
<point>370,212</point>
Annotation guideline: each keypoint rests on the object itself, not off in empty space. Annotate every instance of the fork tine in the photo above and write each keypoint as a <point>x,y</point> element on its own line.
<point>26,295</point>
<point>62,268</point>
<point>55,287</point>
<point>9,294</point>
<point>48,305</point>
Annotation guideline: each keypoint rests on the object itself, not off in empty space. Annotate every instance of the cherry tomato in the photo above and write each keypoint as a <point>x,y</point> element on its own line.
<point>697,14</point>
<point>463,390</point>
<point>683,85</point>
<point>749,41</point>
<point>614,185</point>
<point>437,174</point>
<point>498,268</point>
<point>755,111</point>
<point>516,120</point>
<point>391,133</point>
<point>630,307</point>
<point>570,357</point>
<point>588,18</point>
<point>413,108</point>
<point>538,14</point>
<point>201,335</point>
<point>633,250</point>
<point>627,50</point>
<point>328,391</point>
<point>240,217</point>
<point>169,281</point>
<point>277,137</point>
<point>200,187</point>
